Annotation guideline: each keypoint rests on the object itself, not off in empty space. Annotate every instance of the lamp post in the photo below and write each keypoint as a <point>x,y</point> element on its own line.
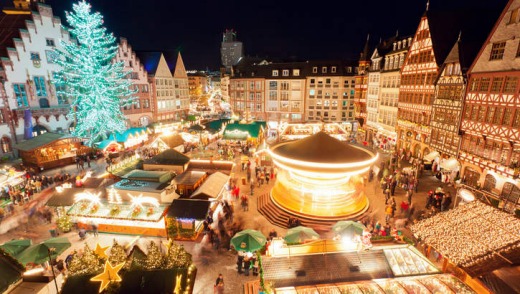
<point>49,250</point>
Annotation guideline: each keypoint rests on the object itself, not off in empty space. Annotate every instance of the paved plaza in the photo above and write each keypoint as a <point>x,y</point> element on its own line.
<point>209,262</point>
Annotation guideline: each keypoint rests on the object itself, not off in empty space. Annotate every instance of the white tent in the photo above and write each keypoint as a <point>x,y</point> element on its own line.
<point>450,164</point>
<point>431,156</point>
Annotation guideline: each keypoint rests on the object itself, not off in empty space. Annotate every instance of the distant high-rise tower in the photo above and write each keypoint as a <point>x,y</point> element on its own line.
<point>231,50</point>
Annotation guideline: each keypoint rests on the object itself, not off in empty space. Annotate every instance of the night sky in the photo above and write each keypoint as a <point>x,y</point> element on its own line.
<point>276,29</point>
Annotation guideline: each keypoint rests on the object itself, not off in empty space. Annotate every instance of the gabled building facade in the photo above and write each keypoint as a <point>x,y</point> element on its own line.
<point>140,112</point>
<point>360,91</point>
<point>416,92</point>
<point>27,66</point>
<point>490,150</point>
<point>181,84</point>
<point>390,81</point>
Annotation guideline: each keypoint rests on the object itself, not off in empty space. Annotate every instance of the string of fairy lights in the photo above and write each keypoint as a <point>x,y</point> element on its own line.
<point>471,235</point>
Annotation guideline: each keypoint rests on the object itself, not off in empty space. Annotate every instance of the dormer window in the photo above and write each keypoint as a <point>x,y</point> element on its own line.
<point>324,69</point>
<point>333,69</point>
<point>275,73</point>
<point>296,72</point>
<point>315,69</point>
<point>285,72</point>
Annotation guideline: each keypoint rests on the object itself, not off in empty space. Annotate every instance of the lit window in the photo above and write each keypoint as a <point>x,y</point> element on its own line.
<point>497,51</point>
<point>333,69</point>
<point>296,72</point>
<point>275,73</point>
<point>315,69</point>
<point>285,72</point>
<point>324,69</point>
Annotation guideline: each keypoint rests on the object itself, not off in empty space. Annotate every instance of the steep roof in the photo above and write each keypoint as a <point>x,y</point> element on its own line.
<point>180,70</point>
<point>474,25</point>
<point>10,25</point>
<point>149,59</point>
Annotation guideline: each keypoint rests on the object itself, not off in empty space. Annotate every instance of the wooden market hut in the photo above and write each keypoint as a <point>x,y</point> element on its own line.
<point>184,218</point>
<point>212,188</point>
<point>168,160</point>
<point>51,150</point>
<point>189,181</point>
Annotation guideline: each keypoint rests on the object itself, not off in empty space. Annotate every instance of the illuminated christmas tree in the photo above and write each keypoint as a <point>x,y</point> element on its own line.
<point>177,257</point>
<point>85,263</point>
<point>154,258</point>
<point>117,254</point>
<point>95,85</point>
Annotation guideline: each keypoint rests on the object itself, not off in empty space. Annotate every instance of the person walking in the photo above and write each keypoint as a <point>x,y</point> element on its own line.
<point>88,160</point>
<point>244,202</point>
<point>218,288</point>
<point>95,230</point>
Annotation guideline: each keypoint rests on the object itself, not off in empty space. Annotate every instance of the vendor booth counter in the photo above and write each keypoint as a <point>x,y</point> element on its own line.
<point>51,150</point>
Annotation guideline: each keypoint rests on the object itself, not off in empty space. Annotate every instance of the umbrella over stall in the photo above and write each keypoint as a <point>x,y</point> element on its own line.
<point>349,228</point>
<point>40,253</point>
<point>15,246</point>
<point>248,240</point>
<point>300,234</point>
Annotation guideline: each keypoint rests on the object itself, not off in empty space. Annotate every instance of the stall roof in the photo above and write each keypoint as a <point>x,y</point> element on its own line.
<point>66,197</point>
<point>168,157</point>
<point>39,141</point>
<point>211,187</point>
<point>188,177</point>
<point>211,167</point>
<point>149,176</point>
<point>476,237</point>
<point>237,131</point>
<point>122,137</point>
<point>10,270</point>
<point>172,140</point>
<point>187,208</point>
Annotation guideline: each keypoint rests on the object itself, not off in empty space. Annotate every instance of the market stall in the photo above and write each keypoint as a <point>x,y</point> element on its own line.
<point>185,217</point>
<point>474,238</point>
<point>213,188</point>
<point>51,150</point>
<point>168,160</point>
<point>252,132</point>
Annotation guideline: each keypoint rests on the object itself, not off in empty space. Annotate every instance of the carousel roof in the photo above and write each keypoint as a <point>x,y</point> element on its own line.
<point>476,237</point>
<point>322,148</point>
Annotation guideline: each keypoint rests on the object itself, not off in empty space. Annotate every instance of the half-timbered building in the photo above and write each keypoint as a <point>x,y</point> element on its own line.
<point>490,151</point>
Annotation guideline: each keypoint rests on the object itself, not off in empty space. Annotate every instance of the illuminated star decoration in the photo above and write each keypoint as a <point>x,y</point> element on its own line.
<point>109,274</point>
<point>101,251</point>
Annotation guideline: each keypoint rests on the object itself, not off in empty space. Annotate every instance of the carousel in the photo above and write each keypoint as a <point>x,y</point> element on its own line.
<point>319,177</point>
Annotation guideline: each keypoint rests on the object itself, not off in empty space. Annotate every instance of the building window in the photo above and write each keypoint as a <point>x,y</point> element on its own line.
<point>35,57</point>
<point>285,72</point>
<point>496,86</point>
<point>51,56</point>
<point>137,104</point>
<point>513,16</point>
<point>21,95</point>
<point>324,69</point>
<point>510,85</point>
<point>333,69</point>
<point>518,50</point>
<point>315,69</point>
<point>146,103</point>
<point>6,145</point>
<point>49,42</point>
<point>497,51</point>
<point>275,73</point>
<point>296,72</point>
<point>39,85</point>
<point>60,94</point>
